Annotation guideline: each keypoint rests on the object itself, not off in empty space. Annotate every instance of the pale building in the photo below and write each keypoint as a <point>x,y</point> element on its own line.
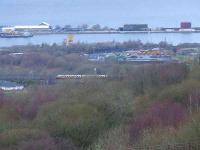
<point>28,28</point>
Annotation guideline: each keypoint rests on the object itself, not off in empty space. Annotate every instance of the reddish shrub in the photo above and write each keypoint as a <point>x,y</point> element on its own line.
<point>158,115</point>
<point>168,114</point>
<point>39,97</point>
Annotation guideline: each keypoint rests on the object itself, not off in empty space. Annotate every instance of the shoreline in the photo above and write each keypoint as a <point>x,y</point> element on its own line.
<point>113,32</point>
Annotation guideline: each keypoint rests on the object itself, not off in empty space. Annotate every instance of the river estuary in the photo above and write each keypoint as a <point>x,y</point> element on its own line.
<point>173,38</point>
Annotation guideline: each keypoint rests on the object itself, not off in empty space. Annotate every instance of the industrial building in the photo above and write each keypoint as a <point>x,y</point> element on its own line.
<point>135,27</point>
<point>10,86</point>
<point>29,28</point>
<point>186,25</point>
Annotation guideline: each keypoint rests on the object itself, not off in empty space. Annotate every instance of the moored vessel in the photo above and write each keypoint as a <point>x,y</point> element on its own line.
<point>16,35</point>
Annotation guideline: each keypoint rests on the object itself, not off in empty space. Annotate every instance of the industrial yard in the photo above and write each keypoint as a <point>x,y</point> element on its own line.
<point>135,56</point>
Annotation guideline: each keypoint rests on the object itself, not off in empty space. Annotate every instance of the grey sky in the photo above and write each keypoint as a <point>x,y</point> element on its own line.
<point>105,12</point>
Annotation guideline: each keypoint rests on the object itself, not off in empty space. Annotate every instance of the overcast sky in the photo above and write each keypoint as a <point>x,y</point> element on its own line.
<point>106,12</point>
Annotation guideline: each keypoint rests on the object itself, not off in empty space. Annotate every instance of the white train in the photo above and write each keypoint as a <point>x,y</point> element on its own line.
<point>81,76</point>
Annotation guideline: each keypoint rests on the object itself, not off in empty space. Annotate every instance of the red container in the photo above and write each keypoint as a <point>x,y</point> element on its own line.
<point>186,25</point>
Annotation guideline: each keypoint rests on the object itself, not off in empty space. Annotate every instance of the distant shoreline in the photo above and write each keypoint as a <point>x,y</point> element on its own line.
<point>112,32</point>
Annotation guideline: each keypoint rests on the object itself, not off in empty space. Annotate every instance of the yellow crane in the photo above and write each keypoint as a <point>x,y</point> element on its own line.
<point>69,39</point>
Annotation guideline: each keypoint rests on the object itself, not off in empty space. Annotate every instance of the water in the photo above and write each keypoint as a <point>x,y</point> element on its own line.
<point>173,38</point>
<point>112,13</point>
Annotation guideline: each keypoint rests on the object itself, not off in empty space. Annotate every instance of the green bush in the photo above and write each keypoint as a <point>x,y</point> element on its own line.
<point>115,139</point>
<point>189,132</point>
<point>179,92</point>
<point>116,106</point>
<point>8,118</point>
<point>80,122</point>
<point>159,136</point>
<point>13,136</point>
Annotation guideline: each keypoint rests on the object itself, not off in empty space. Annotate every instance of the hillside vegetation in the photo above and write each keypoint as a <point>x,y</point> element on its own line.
<point>152,105</point>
